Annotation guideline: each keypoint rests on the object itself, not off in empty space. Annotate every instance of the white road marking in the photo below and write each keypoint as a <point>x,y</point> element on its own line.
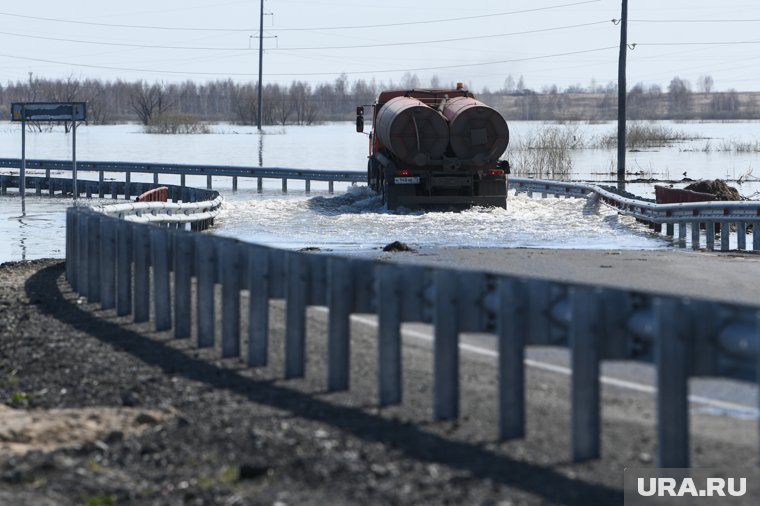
<point>740,410</point>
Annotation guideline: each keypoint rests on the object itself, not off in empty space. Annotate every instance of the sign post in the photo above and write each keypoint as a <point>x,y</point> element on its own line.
<point>50,112</point>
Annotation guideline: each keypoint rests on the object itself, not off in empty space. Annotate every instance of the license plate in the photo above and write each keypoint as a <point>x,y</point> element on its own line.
<point>406,180</point>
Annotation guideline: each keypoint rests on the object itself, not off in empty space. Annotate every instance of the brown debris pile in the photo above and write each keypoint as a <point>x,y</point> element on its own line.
<point>398,246</point>
<point>717,187</point>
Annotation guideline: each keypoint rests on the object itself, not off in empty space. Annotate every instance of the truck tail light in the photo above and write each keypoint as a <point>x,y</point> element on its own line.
<point>403,172</point>
<point>495,172</point>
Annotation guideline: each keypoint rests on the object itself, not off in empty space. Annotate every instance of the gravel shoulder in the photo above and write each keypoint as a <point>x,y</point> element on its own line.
<point>212,431</point>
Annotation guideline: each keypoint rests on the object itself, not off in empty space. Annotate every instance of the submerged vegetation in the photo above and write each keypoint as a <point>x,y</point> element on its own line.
<point>643,135</point>
<point>546,152</point>
<point>176,123</point>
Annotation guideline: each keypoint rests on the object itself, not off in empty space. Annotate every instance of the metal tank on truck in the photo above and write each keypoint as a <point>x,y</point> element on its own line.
<point>436,146</point>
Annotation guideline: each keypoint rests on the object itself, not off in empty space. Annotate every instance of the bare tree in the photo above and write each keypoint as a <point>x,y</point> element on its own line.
<point>149,101</point>
<point>679,97</point>
<point>705,84</point>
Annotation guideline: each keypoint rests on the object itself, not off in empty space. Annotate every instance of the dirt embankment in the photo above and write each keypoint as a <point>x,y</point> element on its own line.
<point>130,416</point>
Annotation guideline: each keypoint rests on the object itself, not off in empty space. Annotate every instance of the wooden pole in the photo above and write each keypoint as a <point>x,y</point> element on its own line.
<point>622,94</point>
<point>261,61</point>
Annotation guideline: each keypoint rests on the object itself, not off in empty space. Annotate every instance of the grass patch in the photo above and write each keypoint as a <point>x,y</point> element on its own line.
<point>546,152</point>
<point>640,135</point>
<point>100,500</point>
<point>176,123</point>
<point>227,475</point>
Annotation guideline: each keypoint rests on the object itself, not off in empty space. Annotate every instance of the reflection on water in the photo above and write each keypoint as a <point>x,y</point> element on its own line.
<point>261,149</point>
<point>32,228</point>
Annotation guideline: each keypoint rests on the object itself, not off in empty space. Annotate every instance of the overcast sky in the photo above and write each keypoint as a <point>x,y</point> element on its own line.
<point>480,42</point>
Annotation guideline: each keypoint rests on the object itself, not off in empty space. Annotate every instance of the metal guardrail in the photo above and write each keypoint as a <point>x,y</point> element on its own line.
<point>127,266</point>
<point>694,216</point>
<point>130,266</point>
<point>234,172</point>
<point>195,206</point>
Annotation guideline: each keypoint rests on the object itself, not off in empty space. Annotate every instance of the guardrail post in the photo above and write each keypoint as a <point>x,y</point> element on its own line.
<point>71,247</point>
<point>710,236</point>
<point>695,235</point>
<point>725,228</point>
<point>682,235</point>
<point>284,185</point>
<point>93,256</point>
<point>183,271</point>
<point>339,301</point>
<point>124,268</point>
<point>204,272</point>
<point>539,324</point>
<point>331,187</point>
<point>107,263</point>
<point>389,335</point>
<point>295,314</point>
<point>82,252</point>
<point>127,186</point>
<point>159,245</point>
<point>585,357</point>
<point>155,178</point>
<point>669,230</point>
<point>141,243</point>
<point>511,328</point>
<point>756,236</point>
<point>234,183</point>
<point>741,235</point>
<point>231,271</point>
<point>307,184</point>
<point>671,355</point>
<point>208,182</point>
<point>445,346</point>
<point>258,309</point>
<point>259,184</point>
<point>101,186</point>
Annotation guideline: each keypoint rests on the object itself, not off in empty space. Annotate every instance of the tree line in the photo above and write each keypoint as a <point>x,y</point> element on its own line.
<point>301,103</point>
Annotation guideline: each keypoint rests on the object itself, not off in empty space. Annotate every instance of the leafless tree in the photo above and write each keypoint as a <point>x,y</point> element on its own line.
<point>149,101</point>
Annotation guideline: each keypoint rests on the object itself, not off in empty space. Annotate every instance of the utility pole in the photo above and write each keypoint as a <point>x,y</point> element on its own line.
<point>622,94</point>
<point>261,61</point>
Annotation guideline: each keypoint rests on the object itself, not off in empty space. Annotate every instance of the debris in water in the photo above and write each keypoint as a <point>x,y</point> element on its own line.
<point>398,246</point>
<point>717,187</point>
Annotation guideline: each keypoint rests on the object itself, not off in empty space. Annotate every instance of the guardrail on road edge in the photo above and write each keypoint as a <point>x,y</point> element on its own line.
<point>128,266</point>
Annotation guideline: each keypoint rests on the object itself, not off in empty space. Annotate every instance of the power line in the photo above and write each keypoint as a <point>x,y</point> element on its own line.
<point>201,48</point>
<point>385,71</point>
<point>458,39</point>
<point>121,44</point>
<point>407,23</point>
<point>207,29</point>
<point>718,43</point>
<point>694,20</point>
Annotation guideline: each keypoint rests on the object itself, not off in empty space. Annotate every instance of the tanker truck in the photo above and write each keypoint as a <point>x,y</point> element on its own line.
<point>436,146</point>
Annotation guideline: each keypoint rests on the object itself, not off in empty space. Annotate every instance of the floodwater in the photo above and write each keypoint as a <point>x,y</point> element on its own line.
<point>352,219</point>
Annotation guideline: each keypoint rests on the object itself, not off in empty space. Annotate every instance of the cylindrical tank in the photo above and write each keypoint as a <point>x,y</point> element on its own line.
<point>476,132</point>
<point>412,131</point>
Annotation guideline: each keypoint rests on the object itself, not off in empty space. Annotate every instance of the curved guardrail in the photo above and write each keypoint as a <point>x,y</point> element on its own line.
<point>199,214</point>
<point>695,216</point>
<point>130,267</point>
<point>195,206</point>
